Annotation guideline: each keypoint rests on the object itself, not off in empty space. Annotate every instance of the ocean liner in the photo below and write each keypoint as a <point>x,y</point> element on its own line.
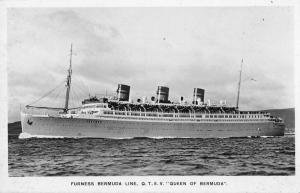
<point>119,117</point>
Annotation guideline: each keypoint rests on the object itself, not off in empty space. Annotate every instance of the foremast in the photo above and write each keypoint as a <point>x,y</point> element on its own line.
<point>68,85</point>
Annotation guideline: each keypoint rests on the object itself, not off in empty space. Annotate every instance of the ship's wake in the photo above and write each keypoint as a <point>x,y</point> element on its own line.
<point>27,136</point>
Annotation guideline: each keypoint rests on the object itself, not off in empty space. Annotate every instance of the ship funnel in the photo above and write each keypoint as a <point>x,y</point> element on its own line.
<point>123,92</point>
<point>198,96</point>
<point>162,94</point>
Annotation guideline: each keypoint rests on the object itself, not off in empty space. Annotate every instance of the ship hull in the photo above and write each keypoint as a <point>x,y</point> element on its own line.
<point>113,128</point>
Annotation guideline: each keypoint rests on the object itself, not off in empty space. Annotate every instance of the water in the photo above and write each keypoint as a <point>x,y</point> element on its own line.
<point>146,156</point>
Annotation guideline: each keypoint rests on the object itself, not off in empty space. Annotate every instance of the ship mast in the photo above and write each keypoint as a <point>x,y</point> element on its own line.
<point>68,85</point>
<point>239,86</point>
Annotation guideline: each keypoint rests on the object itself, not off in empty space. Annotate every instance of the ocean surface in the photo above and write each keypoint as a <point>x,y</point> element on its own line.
<point>148,156</point>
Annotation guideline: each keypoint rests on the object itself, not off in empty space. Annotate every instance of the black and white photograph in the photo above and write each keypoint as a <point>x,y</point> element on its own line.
<point>150,91</point>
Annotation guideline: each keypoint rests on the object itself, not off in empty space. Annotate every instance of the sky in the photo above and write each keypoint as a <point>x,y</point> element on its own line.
<point>182,48</point>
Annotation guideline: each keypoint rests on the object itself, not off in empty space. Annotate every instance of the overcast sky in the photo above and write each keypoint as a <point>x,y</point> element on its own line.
<point>181,48</point>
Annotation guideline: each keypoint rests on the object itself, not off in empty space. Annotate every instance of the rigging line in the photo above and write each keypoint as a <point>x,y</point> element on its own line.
<point>50,108</point>
<point>48,93</point>
<point>52,99</point>
<point>86,88</point>
<point>59,96</point>
<point>55,100</point>
<point>76,95</point>
<point>72,97</point>
<point>56,96</point>
<point>82,92</point>
<point>82,88</point>
<point>77,102</point>
<point>78,98</point>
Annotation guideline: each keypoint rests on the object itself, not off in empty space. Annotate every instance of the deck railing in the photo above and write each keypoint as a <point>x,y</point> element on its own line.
<point>157,115</point>
<point>184,115</point>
